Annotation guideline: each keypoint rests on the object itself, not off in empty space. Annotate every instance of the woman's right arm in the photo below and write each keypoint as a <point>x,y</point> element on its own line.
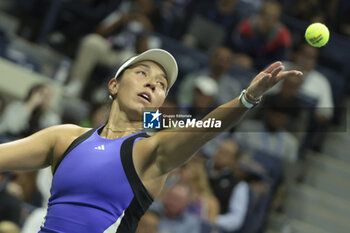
<point>33,152</point>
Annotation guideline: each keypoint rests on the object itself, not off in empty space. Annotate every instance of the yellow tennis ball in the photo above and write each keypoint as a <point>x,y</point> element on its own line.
<point>317,35</point>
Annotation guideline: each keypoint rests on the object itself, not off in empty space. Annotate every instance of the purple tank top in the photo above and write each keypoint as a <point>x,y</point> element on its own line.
<point>95,187</point>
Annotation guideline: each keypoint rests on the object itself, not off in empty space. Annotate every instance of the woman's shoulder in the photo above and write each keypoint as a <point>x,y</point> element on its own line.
<point>56,132</point>
<point>70,129</point>
<point>65,134</point>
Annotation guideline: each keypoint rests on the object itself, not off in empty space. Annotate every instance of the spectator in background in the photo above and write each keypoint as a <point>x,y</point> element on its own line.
<point>23,118</point>
<point>138,13</point>
<point>148,223</point>
<point>95,50</point>
<point>315,85</point>
<point>120,36</point>
<point>263,37</point>
<point>24,187</point>
<point>38,19</point>
<point>232,193</point>
<point>223,12</point>
<point>74,20</point>
<point>213,17</point>
<point>306,9</point>
<point>8,227</point>
<point>204,204</point>
<point>33,222</point>
<point>10,206</point>
<point>98,115</point>
<point>30,16</point>
<point>27,181</point>
<point>204,97</point>
<point>288,95</point>
<point>269,136</point>
<point>175,15</point>
<point>174,217</point>
<point>343,24</point>
<point>220,62</point>
<point>323,11</point>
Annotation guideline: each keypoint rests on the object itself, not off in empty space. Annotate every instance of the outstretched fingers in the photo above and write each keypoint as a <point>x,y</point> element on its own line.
<point>269,77</point>
<point>276,71</point>
<point>272,67</point>
<point>286,74</point>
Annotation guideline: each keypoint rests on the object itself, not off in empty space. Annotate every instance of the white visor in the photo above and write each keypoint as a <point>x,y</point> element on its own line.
<point>160,56</point>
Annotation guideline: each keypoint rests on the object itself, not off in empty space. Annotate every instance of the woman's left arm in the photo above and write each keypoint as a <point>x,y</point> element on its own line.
<point>169,149</point>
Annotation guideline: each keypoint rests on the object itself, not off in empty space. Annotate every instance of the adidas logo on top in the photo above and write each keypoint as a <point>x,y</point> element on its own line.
<point>102,147</point>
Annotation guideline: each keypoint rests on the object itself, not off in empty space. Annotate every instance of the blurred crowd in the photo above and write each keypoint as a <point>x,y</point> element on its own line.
<point>235,180</point>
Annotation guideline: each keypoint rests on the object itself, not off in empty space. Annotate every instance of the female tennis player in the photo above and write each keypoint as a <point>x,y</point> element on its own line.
<point>106,178</point>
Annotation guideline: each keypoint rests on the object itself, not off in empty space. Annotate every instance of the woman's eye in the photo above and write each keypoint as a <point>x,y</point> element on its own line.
<point>142,73</point>
<point>161,84</point>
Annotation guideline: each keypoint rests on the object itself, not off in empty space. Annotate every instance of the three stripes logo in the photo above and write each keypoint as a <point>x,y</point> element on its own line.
<point>102,147</point>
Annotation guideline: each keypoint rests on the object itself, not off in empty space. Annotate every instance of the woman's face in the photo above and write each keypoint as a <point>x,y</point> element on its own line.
<point>142,87</point>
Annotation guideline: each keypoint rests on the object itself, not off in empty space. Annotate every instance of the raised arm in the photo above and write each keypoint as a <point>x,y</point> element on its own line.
<point>167,150</point>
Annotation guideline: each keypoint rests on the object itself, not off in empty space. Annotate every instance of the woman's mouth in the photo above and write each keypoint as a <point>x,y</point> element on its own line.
<point>146,96</point>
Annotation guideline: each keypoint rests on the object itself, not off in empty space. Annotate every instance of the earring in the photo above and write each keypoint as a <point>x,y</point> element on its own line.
<point>110,97</point>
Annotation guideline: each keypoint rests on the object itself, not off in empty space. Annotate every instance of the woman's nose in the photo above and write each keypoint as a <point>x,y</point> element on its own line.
<point>151,84</point>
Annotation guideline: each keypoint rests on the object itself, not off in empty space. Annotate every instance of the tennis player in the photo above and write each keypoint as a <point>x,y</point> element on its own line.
<point>106,178</point>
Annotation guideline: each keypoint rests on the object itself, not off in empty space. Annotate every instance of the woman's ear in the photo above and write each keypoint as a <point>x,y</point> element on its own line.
<point>113,86</point>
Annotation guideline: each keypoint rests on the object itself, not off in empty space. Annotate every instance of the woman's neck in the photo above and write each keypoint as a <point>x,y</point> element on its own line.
<point>119,125</point>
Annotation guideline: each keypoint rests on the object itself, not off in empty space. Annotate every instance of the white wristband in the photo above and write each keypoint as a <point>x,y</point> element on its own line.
<point>244,101</point>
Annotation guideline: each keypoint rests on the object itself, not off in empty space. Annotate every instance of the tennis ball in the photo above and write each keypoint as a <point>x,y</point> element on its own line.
<point>317,35</point>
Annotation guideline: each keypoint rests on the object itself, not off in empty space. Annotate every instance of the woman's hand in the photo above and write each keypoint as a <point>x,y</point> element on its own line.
<point>268,78</point>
